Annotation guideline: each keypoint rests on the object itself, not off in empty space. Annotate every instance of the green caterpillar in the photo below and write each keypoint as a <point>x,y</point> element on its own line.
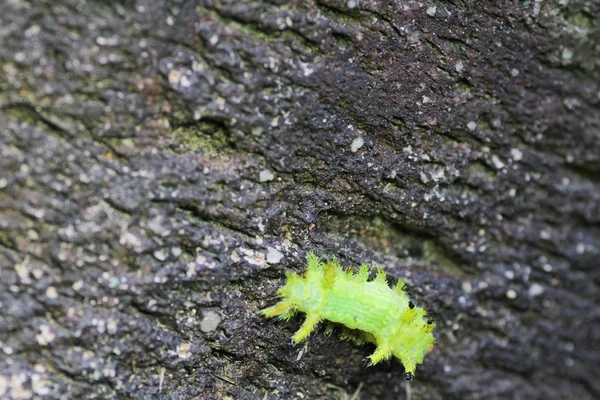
<point>385,316</point>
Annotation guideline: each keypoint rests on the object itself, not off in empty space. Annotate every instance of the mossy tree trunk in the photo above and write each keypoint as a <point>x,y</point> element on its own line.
<point>164,162</point>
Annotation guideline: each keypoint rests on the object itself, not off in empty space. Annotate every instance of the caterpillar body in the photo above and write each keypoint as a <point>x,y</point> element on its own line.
<point>385,316</point>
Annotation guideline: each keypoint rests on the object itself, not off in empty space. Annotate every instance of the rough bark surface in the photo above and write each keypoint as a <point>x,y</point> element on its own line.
<point>163,163</point>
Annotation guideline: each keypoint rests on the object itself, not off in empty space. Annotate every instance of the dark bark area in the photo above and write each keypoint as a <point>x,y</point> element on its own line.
<point>162,164</point>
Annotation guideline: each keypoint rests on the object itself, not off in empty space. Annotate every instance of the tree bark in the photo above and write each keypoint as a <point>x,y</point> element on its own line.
<point>163,163</point>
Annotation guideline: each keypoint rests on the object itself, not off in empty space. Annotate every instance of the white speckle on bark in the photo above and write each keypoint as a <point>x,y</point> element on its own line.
<point>567,54</point>
<point>174,77</point>
<point>128,238</point>
<point>183,350</point>
<point>357,143</point>
<point>307,70</point>
<point>459,66</point>
<point>266,176</point>
<point>160,255</point>
<point>176,251</point>
<point>200,259</point>
<point>191,270</point>
<point>472,125</point>
<point>51,292</point>
<point>111,326</point>
<point>210,321</point>
<point>511,294</point>
<point>156,226</point>
<point>253,258</point>
<point>273,255</point>
<point>40,386</point>
<point>516,154</point>
<point>569,347</point>
<point>535,289</point>
<point>498,164</point>
<point>32,31</point>
<point>467,287</point>
<point>45,336</point>
<point>431,11</point>
<point>23,270</point>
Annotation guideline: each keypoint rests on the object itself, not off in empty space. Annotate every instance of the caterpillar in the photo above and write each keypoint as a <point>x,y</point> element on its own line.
<point>382,315</point>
